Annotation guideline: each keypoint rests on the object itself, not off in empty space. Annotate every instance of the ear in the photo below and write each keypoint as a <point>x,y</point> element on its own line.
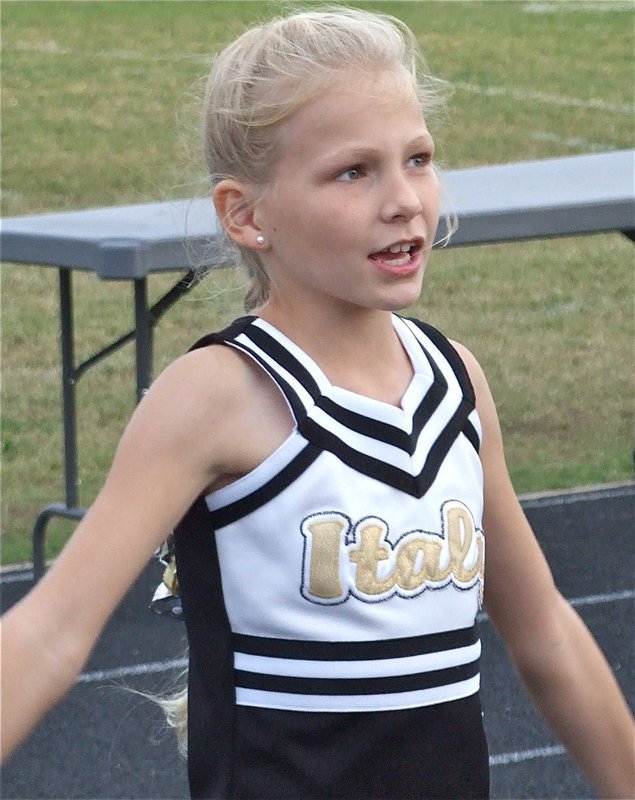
<point>234,203</point>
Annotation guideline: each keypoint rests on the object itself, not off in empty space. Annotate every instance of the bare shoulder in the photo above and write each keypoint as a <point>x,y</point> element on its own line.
<point>190,395</point>
<point>484,401</point>
<point>217,398</point>
<point>204,382</point>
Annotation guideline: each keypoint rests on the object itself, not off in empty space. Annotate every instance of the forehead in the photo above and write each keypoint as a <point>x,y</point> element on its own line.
<point>355,102</point>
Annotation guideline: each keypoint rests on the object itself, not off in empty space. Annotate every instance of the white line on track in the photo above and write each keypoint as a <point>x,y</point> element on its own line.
<point>23,573</point>
<point>595,599</point>
<point>17,577</point>
<point>586,600</point>
<point>500,759</point>
<point>497,760</point>
<point>517,756</point>
<point>153,667</point>
<point>546,499</point>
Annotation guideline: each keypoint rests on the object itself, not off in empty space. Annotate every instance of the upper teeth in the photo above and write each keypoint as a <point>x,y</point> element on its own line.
<point>399,248</point>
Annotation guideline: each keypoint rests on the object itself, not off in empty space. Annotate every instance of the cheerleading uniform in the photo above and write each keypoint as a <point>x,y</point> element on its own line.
<point>330,595</point>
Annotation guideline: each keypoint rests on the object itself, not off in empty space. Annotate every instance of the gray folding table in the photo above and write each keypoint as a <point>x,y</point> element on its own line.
<point>527,200</point>
<point>124,243</point>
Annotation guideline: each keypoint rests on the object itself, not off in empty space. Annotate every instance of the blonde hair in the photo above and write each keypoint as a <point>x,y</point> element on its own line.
<point>174,707</point>
<point>269,72</point>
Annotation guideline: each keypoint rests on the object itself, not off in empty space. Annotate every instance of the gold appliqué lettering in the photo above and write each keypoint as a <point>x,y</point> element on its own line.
<point>324,557</point>
<point>342,559</point>
<point>371,552</point>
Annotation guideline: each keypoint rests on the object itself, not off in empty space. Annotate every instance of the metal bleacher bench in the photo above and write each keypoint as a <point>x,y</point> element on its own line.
<point>528,200</point>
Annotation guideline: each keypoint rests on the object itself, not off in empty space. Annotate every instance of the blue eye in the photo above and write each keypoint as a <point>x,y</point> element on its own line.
<point>351,174</point>
<point>420,160</point>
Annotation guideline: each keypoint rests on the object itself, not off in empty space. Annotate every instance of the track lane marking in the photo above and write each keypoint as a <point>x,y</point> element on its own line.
<point>151,667</point>
<point>518,756</point>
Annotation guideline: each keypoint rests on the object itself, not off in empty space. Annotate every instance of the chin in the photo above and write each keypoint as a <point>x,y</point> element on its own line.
<point>396,307</point>
<point>398,300</point>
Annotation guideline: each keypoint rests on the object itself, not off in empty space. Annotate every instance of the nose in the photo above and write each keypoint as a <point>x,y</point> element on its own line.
<point>401,198</point>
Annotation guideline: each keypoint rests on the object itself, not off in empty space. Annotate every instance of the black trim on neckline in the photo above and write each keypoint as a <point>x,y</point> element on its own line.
<point>449,351</point>
<point>471,434</point>
<point>285,359</point>
<point>384,431</point>
<point>226,335</point>
<point>370,427</point>
<point>366,425</point>
<point>416,485</point>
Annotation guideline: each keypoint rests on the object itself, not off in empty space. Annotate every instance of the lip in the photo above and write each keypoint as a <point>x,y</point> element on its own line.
<point>386,266</point>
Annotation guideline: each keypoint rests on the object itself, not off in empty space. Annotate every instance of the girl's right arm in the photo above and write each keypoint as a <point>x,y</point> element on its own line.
<point>172,449</point>
<point>554,653</point>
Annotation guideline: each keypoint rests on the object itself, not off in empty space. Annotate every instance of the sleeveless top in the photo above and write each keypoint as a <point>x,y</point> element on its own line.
<point>330,595</point>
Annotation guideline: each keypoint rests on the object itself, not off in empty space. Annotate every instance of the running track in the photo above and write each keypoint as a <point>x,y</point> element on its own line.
<point>105,742</point>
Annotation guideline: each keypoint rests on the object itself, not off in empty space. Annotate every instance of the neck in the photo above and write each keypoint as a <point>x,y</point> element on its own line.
<point>357,349</point>
<point>326,330</point>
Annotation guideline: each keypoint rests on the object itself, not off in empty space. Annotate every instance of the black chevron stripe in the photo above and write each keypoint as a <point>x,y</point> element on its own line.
<point>453,358</point>
<point>283,357</point>
<point>359,423</point>
<point>375,429</point>
<point>471,435</point>
<point>367,426</point>
<point>385,432</point>
<point>416,485</point>
<point>297,406</point>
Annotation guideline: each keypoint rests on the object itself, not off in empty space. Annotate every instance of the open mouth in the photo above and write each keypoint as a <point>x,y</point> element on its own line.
<point>399,254</point>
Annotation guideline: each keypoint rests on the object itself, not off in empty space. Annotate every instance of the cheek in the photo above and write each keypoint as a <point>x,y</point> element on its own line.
<point>324,228</point>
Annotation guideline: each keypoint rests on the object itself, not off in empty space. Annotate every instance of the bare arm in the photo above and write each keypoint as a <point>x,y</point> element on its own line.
<point>172,449</point>
<point>555,655</point>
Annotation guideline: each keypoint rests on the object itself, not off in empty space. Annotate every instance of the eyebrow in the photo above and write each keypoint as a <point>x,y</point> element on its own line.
<point>354,153</point>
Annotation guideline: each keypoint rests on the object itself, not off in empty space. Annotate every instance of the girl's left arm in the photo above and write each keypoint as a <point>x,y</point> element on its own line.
<point>553,652</point>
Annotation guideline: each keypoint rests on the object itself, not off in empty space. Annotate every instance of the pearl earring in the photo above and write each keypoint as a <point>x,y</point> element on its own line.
<point>260,239</point>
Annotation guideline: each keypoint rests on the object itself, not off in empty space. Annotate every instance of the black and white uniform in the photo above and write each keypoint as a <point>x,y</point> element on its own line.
<point>331,594</point>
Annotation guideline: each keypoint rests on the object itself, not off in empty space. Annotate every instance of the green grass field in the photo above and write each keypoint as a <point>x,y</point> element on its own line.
<point>100,107</point>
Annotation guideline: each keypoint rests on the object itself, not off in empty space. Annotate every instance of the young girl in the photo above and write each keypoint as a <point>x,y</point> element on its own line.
<point>334,471</point>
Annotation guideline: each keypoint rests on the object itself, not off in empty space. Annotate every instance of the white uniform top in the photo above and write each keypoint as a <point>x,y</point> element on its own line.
<point>351,560</point>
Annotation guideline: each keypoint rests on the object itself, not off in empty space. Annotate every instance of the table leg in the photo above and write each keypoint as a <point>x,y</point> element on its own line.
<point>39,533</point>
<point>143,336</point>
<point>70,509</point>
<point>145,319</point>
<point>68,387</point>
